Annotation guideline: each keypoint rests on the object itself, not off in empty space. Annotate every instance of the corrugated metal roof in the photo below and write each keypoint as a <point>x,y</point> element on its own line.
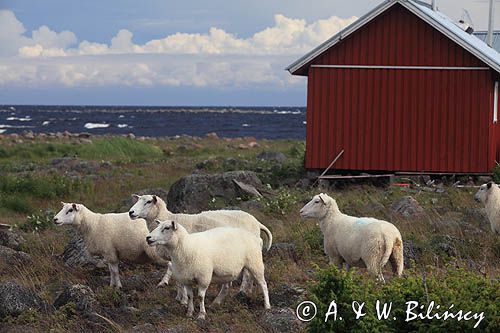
<point>435,18</point>
<point>496,38</point>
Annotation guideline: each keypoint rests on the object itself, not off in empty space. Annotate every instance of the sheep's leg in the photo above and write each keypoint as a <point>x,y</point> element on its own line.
<point>111,276</point>
<point>258,275</point>
<point>347,266</point>
<point>222,294</point>
<point>201,294</point>
<point>118,283</point>
<point>182,295</point>
<point>263,285</point>
<point>166,278</point>
<point>189,291</point>
<point>115,275</point>
<point>246,283</point>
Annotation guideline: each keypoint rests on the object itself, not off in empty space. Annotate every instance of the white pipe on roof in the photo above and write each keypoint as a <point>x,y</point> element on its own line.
<point>434,5</point>
<point>491,23</point>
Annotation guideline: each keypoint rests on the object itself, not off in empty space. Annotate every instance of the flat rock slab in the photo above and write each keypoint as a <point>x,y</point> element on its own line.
<point>194,193</point>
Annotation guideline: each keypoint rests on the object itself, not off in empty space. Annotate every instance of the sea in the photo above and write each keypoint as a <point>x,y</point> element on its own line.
<point>155,121</point>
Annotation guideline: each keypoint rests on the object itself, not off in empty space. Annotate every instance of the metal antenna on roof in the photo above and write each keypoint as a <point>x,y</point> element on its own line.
<point>434,5</point>
<point>491,23</point>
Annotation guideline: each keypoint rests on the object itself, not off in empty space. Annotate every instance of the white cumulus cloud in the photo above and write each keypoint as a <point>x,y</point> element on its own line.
<point>215,58</point>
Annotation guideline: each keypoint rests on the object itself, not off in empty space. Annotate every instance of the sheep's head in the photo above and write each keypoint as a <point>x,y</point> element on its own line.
<point>145,207</point>
<point>164,234</point>
<point>318,207</point>
<point>483,192</point>
<point>67,215</point>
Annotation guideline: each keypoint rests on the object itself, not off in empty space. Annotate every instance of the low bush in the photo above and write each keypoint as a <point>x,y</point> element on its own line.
<point>464,290</point>
<point>39,221</point>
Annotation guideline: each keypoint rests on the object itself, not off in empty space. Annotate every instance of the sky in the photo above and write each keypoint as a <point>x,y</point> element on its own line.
<point>162,52</point>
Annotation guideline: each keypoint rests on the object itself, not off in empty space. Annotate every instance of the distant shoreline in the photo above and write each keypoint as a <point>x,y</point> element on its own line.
<point>259,122</point>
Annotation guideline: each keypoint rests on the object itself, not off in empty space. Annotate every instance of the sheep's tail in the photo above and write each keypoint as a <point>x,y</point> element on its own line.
<point>397,258</point>
<point>386,252</point>
<point>269,236</point>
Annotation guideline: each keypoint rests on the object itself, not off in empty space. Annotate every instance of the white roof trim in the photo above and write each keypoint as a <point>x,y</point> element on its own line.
<point>436,19</point>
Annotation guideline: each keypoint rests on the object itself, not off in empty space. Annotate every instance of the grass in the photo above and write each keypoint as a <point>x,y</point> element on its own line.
<point>451,233</point>
<point>111,149</point>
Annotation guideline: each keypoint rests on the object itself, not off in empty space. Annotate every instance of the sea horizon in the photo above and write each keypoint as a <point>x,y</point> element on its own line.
<point>262,122</point>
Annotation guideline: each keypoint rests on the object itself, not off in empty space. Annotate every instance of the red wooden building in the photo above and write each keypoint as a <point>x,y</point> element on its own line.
<point>402,89</point>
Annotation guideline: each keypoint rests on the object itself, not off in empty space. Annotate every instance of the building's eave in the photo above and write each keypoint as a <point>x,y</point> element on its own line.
<point>436,19</point>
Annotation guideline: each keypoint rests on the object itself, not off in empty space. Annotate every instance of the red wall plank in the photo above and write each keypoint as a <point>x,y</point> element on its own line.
<point>400,120</point>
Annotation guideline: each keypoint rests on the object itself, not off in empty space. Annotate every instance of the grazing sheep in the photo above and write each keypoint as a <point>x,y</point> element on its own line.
<point>152,207</point>
<point>216,255</point>
<point>113,236</point>
<point>362,242</point>
<point>489,194</point>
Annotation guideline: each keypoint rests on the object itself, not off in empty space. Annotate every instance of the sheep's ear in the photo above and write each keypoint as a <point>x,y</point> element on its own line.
<point>63,203</point>
<point>75,207</point>
<point>322,199</point>
<point>489,185</point>
<point>135,197</point>
<point>157,221</point>
<point>174,225</point>
<point>155,199</point>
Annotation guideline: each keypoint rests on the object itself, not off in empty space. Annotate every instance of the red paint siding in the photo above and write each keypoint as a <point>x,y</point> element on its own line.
<point>400,120</point>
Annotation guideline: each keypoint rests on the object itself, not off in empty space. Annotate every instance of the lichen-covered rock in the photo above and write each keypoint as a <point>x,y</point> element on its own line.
<point>280,320</point>
<point>12,257</point>
<point>80,295</point>
<point>283,251</point>
<point>76,255</point>
<point>411,252</point>
<point>407,207</point>
<point>272,156</point>
<point>194,193</point>
<point>11,239</point>
<point>15,299</point>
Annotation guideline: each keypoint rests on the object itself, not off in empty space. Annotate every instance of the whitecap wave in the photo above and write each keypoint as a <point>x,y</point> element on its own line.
<point>121,116</point>
<point>45,123</point>
<point>286,112</point>
<point>13,126</point>
<point>27,118</point>
<point>245,125</point>
<point>2,131</point>
<point>122,125</point>
<point>95,125</point>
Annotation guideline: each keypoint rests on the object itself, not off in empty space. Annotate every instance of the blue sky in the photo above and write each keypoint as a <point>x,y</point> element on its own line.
<point>158,52</point>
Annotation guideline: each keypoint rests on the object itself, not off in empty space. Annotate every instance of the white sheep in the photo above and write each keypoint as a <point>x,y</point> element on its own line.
<point>361,242</point>
<point>489,194</point>
<point>217,255</point>
<point>152,207</point>
<point>114,236</point>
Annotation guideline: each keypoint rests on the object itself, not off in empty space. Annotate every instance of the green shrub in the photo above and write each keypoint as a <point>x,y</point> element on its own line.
<point>465,290</point>
<point>282,203</point>
<point>38,221</point>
